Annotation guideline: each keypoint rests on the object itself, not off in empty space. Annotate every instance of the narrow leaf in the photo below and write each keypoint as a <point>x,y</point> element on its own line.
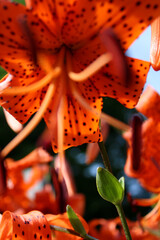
<point>74,220</point>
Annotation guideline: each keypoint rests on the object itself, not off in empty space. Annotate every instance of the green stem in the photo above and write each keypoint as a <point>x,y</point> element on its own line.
<point>70,231</point>
<point>104,156</point>
<point>124,222</point>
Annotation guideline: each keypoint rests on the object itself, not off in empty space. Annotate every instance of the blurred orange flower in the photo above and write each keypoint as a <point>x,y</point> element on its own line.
<point>149,165</point>
<point>140,229</point>
<point>113,230</point>
<point>35,225</point>
<point>15,196</point>
<point>143,162</point>
<point>51,50</point>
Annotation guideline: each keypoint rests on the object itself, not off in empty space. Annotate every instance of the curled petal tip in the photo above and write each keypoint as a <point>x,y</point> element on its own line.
<point>155,45</point>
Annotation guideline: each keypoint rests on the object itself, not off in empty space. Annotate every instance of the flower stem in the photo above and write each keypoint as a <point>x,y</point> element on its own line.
<point>123,221</point>
<point>104,156</point>
<point>70,231</point>
<point>118,206</point>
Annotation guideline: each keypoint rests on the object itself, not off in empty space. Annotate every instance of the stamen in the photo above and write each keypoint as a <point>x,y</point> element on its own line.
<point>60,133</point>
<point>60,190</point>
<point>146,202</point>
<point>136,141</point>
<point>110,120</point>
<point>32,124</point>
<point>35,86</point>
<point>89,70</point>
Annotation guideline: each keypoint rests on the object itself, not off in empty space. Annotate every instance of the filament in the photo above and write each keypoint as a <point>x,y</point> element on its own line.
<point>32,124</point>
<point>60,122</point>
<point>89,70</point>
<point>35,86</point>
<point>110,120</point>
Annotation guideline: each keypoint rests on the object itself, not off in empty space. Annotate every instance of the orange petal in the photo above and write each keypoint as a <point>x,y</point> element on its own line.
<point>112,229</point>
<point>11,14</point>
<point>82,19</point>
<point>46,11</point>
<point>132,18</point>
<point>15,48</point>
<point>20,106</point>
<point>12,122</point>
<point>29,226</point>
<point>106,82</point>
<point>106,229</point>
<point>77,120</point>
<point>155,45</point>
<point>35,157</point>
<point>62,220</point>
<point>77,202</point>
<point>149,104</point>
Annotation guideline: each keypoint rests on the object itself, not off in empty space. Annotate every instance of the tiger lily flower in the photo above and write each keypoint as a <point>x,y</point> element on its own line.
<point>35,225</point>
<point>63,56</point>
<point>143,161</point>
<point>15,197</point>
<point>112,229</point>
<point>148,165</point>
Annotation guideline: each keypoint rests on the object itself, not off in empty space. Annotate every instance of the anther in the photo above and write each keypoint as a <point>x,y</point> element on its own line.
<point>112,44</point>
<point>3,180</point>
<point>136,125</point>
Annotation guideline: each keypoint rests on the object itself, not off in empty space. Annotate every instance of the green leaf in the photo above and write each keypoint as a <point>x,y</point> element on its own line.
<point>109,187</point>
<point>74,220</point>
